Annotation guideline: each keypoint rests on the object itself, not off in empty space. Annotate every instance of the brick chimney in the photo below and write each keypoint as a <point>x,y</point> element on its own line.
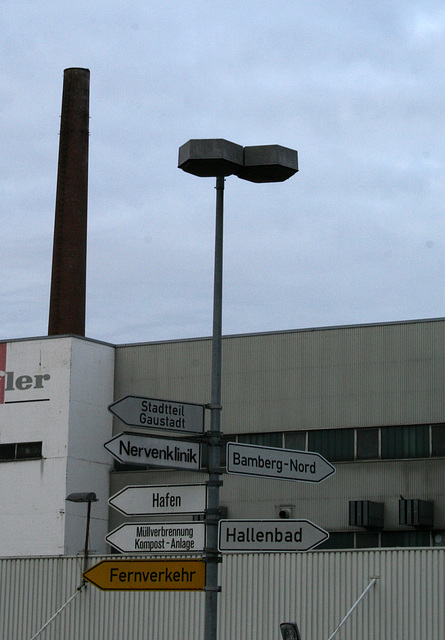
<point>68,279</point>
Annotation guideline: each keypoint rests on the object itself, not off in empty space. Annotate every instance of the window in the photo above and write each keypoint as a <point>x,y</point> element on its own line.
<point>405,538</point>
<point>295,440</point>
<point>20,451</point>
<point>410,441</point>
<point>367,444</point>
<point>438,440</point>
<point>338,540</point>
<point>376,539</point>
<point>130,466</point>
<point>7,451</point>
<point>28,450</point>
<point>366,540</point>
<point>334,444</point>
<point>362,443</point>
<point>263,439</point>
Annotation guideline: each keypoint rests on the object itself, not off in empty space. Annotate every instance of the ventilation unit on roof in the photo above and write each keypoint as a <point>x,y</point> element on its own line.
<point>416,513</point>
<point>366,514</point>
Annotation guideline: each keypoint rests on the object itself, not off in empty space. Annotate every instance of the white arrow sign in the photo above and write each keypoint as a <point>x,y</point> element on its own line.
<point>269,535</point>
<point>144,500</point>
<point>271,462</point>
<point>172,537</point>
<point>148,413</point>
<point>157,452</point>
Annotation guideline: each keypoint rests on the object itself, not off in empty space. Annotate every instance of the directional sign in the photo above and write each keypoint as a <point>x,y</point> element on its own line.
<point>148,413</point>
<point>270,462</point>
<point>144,500</point>
<point>171,537</point>
<point>269,535</point>
<point>147,575</point>
<point>157,452</point>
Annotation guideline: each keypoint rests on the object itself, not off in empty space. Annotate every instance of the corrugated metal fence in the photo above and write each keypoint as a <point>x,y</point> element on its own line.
<point>259,591</point>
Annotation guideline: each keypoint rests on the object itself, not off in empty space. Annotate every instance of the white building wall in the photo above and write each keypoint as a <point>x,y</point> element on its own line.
<point>90,426</point>
<point>54,391</point>
<point>32,496</point>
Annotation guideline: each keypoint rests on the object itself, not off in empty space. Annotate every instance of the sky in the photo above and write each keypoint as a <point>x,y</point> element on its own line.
<point>356,236</point>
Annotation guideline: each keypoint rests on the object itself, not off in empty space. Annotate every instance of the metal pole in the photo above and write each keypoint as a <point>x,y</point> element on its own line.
<point>214,441</point>
<point>79,589</point>
<point>87,535</point>
<point>373,581</point>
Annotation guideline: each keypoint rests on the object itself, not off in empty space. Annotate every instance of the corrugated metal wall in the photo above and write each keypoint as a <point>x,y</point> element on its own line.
<point>258,592</point>
<point>327,504</point>
<point>354,376</point>
<point>318,589</point>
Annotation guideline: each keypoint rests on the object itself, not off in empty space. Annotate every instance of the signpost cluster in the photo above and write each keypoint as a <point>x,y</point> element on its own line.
<point>155,538</point>
<point>181,537</point>
<point>260,164</point>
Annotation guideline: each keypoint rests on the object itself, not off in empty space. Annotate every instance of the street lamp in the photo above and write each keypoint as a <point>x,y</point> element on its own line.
<point>89,498</point>
<point>219,158</point>
<point>289,631</point>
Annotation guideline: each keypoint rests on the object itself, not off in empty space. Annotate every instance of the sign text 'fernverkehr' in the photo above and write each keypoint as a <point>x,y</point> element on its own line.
<point>149,413</point>
<point>271,462</point>
<point>147,575</point>
<point>269,535</point>
<point>130,448</point>
<point>146,500</point>
<point>171,537</point>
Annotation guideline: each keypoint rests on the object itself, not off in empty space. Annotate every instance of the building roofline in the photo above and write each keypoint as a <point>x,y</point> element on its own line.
<point>58,337</point>
<point>287,331</point>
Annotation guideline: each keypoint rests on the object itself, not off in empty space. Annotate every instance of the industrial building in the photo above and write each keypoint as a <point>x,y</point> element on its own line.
<point>368,398</point>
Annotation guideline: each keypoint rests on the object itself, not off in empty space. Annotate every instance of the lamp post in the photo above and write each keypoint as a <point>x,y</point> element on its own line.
<point>220,158</point>
<point>290,631</point>
<point>89,498</point>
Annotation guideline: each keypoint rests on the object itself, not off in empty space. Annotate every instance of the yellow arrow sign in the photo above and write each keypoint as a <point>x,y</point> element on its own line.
<point>147,575</point>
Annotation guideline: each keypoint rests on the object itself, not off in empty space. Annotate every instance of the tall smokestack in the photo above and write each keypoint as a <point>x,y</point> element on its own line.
<point>68,280</point>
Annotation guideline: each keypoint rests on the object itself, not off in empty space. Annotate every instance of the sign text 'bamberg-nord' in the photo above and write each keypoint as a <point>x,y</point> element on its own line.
<point>146,500</point>
<point>171,537</point>
<point>269,535</point>
<point>157,452</point>
<point>147,575</point>
<point>148,413</point>
<point>271,462</point>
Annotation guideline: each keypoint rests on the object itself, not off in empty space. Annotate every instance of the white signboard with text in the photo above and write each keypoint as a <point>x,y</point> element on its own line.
<point>269,535</point>
<point>271,462</point>
<point>167,415</point>
<point>144,500</point>
<point>171,537</point>
<point>170,453</point>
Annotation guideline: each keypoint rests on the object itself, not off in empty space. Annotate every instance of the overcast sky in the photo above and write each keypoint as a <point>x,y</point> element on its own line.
<point>357,236</point>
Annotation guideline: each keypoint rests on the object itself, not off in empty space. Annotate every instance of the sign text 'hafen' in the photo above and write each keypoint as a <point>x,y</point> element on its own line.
<point>144,500</point>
